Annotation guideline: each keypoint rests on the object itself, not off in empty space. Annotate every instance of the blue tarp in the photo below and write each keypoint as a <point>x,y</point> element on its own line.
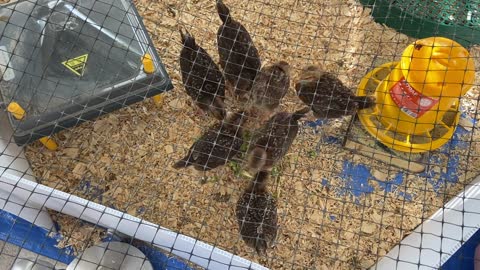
<point>19,232</point>
<point>463,258</point>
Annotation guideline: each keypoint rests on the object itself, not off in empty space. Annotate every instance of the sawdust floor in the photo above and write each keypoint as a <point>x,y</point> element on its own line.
<point>327,220</point>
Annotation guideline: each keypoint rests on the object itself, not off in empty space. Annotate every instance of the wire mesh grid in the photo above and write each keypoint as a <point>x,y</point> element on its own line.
<point>335,208</point>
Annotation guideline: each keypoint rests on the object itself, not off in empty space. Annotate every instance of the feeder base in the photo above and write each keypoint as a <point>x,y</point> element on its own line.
<point>410,143</point>
<point>360,142</point>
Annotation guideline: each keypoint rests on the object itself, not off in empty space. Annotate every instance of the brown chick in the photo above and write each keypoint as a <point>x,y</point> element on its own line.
<point>239,57</point>
<point>203,80</point>
<point>327,95</point>
<point>273,141</point>
<point>256,213</point>
<point>217,146</point>
<point>269,88</point>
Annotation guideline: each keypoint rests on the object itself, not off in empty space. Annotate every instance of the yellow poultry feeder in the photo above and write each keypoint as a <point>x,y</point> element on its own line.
<point>418,97</point>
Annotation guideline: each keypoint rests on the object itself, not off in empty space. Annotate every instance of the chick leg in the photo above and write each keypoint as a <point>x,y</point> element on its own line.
<point>203,178</point>
<point>322,138</point>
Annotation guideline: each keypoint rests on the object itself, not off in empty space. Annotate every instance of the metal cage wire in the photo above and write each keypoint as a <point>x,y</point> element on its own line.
<point>102,115</point>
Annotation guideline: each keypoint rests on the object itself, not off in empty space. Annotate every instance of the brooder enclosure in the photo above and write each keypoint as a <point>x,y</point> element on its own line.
<point>335,208</point>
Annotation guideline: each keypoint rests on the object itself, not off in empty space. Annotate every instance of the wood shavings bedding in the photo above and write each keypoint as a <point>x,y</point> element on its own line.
<point>124,159</point>
<point>76,234</point>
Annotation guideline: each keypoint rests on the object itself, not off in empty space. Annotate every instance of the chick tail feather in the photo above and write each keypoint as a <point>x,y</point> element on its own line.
<point>187,39</point>
<point>260,249</point>
<point>183,163</point>
<point>223,12</point>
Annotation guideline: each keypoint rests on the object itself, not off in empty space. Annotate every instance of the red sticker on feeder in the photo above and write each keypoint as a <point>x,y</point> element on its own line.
<point>409,100</point>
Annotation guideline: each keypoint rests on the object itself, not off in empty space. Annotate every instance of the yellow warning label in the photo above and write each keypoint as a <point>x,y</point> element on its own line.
<point>77,64</point>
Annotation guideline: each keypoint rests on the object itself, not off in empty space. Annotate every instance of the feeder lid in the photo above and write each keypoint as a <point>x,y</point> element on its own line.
<point>67,61</point>
<point>440,64</point>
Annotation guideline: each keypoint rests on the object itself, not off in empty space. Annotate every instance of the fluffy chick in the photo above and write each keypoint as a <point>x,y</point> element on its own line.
<point>273,140</point>
<point>327,95</point>
<point>239,57</point>
<point>256,213</point>
<point>203,80</point>
<point>219,144</point>
<point>269,88</point>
